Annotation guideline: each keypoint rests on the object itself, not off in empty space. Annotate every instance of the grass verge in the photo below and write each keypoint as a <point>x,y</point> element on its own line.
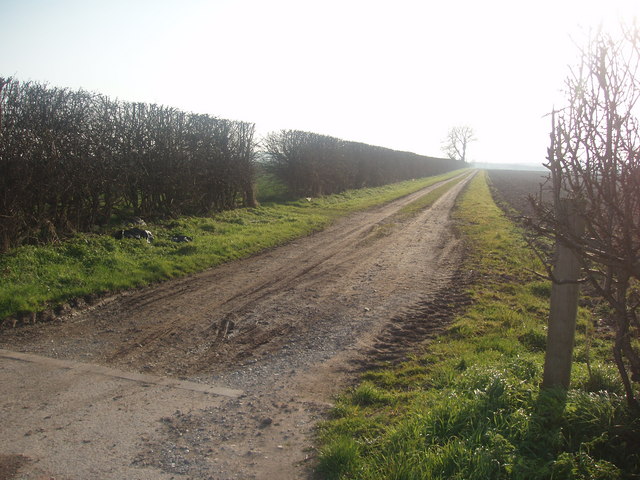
<point>470,407</point>
<point>33,278</point>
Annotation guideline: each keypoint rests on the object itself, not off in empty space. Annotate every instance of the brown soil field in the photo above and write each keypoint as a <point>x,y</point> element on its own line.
<point>513,187</point>
<point>223,374</point>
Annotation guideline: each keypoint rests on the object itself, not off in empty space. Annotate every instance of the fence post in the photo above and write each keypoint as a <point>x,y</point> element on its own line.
<point>564,301</point>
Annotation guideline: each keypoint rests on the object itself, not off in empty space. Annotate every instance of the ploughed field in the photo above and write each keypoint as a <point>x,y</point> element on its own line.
<point>514,188</point>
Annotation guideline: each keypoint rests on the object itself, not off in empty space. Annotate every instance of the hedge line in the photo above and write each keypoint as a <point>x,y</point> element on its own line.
<point>72,160</point>
<point>311,164</point>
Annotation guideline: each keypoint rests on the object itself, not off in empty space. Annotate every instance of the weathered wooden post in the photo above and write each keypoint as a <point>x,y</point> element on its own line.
<point>564,300</point>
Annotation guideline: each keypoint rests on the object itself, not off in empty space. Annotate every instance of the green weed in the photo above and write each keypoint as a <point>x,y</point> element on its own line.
<point>340,455</point>
<point>367,394</point>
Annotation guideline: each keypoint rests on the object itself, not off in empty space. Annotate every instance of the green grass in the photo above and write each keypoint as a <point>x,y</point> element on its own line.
<point>269,188</point>
<point>470,406</point>
<point>33,278</point>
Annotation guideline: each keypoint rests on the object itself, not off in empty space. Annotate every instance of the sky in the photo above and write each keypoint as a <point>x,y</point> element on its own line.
<point>397,74</point>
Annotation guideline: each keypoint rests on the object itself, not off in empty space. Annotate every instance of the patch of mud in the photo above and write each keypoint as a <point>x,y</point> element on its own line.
<point>10,465</point>
<point>406,333</point>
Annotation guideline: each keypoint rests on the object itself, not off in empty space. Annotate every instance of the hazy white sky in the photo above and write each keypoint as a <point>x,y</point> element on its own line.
<point>397,73</point>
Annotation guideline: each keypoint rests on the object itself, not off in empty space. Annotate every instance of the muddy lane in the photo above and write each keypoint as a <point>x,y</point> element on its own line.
<point>288,328</point>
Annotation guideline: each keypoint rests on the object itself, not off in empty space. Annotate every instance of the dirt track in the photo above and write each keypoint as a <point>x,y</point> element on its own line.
<point>288,327</point>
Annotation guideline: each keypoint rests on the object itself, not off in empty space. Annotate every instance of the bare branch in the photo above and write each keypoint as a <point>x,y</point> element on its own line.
<point>594,158</point>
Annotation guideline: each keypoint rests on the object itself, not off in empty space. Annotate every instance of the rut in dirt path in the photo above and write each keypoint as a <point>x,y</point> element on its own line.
<point>290,327</point>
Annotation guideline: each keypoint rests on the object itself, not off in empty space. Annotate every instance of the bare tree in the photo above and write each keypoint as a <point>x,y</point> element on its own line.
<point>594,160</point>
<point>457,142</point>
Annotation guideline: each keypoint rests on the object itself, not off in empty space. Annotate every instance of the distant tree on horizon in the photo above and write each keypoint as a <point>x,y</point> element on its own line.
<point>456,143</point>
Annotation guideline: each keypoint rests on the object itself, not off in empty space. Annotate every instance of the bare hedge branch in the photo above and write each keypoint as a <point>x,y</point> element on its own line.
<point>71,160</point>
<point>311,164</point>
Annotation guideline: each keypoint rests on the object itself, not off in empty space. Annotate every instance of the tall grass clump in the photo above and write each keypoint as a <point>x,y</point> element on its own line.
<point>470,406</point>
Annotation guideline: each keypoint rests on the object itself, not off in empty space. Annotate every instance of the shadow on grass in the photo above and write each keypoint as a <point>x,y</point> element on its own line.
<point>580,435</point>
